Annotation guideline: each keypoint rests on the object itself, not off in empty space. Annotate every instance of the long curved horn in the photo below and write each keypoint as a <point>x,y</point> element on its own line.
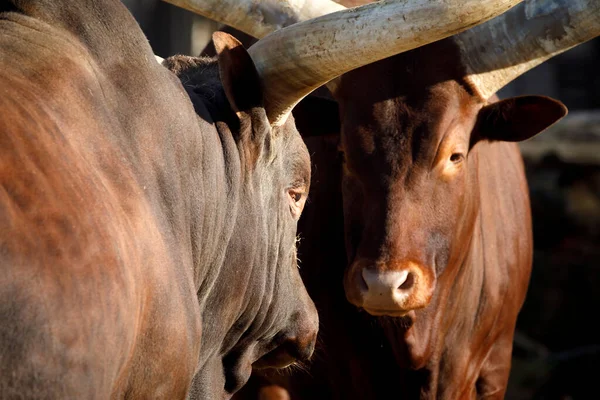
<point>259,18</point>
<point>504,48</point>
<point>296,60</point>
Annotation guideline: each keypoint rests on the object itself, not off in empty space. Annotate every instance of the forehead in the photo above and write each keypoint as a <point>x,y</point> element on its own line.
<point>413,78</point>
<point>402,100</point>
<point>405,121</point>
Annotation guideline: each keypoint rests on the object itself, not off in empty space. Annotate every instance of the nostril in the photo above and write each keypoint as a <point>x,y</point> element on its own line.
<point>408,282</point>
<point>364,286</point>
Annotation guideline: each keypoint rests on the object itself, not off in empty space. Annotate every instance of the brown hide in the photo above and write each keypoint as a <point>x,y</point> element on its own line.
<point>147,227</point>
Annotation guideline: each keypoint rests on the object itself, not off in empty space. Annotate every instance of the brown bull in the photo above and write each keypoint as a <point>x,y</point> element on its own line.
<point>437,218</point>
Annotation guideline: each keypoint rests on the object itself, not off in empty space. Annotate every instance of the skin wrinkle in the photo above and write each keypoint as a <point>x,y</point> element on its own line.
<point>124,201</point>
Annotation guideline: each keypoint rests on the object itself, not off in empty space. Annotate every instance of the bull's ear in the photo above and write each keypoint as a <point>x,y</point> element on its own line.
<point>518,118</point>
<point>238,73</point>
<point>247,41</point>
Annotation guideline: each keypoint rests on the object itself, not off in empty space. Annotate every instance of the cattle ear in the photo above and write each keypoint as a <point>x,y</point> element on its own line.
<point>517,118</point>
<point>238,73</point>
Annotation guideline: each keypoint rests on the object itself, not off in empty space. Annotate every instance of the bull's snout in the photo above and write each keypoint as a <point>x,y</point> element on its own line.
<point>295,343</point>
<point>395,286</point>
<point>389,290</point>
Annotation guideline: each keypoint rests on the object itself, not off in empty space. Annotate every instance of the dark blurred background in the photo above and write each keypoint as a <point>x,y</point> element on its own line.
<point>557,345</point>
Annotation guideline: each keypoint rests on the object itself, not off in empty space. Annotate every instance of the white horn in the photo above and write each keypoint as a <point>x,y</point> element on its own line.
<point>258,18</point>
<point>497,52</point>
<point>296,60</point>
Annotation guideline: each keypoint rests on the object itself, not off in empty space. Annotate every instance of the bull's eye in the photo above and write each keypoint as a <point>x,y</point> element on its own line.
<point>456,157</point>
<point>296,196</point>
<point>297,200</point>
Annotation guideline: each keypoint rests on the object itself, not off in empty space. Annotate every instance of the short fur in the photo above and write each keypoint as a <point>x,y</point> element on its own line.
<point>145,239</point>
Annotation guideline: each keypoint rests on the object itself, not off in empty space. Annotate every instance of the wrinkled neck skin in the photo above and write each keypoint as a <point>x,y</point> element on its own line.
<point>244,258</point>
<point>180,176</point>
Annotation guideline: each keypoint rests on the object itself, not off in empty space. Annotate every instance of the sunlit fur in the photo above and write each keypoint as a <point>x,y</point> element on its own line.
<point>146,236</point>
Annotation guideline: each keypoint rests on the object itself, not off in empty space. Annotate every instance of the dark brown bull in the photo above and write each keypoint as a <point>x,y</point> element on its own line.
<point>131,258</point>
<point>147,225</point>
<point>436,215</point>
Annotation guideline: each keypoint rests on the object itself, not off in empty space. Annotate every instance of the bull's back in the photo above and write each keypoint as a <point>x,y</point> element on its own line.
<point>85,271</point>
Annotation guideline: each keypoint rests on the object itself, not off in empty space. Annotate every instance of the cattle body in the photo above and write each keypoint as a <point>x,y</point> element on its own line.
<point>145,239</point>
<point>437,222</point>
<point>436,228</point>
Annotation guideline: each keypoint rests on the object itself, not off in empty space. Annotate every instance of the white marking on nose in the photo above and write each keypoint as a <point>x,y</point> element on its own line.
<point>381,283</point>
<point>384,291</point>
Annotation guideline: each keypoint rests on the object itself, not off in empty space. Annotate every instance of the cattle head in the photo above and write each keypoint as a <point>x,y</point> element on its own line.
<point>411,128</point>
